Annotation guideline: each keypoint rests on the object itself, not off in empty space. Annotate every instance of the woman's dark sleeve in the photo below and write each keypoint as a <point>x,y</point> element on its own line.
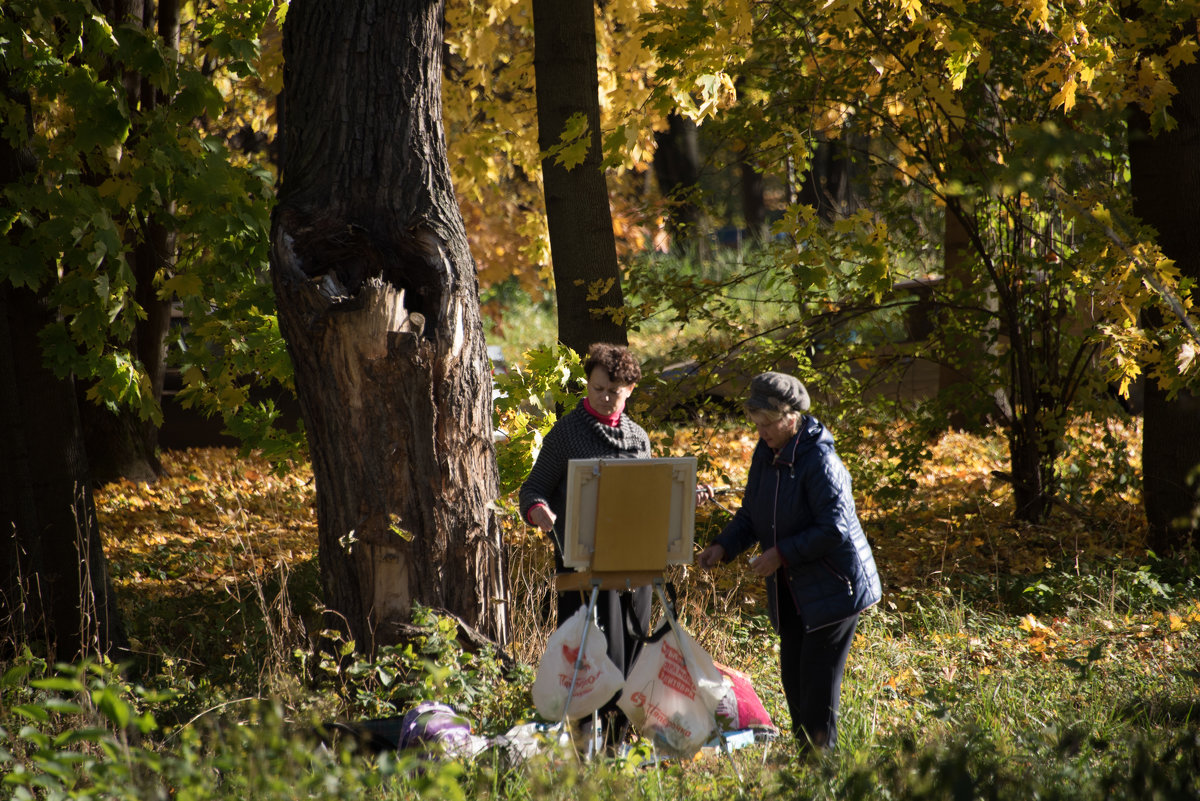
<point>549,470</point>
<point>738,534</point>
<point>831,504</point>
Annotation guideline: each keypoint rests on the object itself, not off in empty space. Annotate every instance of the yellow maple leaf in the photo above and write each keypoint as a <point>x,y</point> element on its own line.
<point>1065,96</point>
<point>1039,13</point>
<point>1031,624</point>
<point>1182,53</point>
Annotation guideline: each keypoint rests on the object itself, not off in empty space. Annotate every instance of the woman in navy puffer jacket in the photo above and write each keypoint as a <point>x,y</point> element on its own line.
<point>820,573</point>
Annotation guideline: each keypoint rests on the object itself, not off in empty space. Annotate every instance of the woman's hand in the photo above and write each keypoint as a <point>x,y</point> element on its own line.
<point>711,556</point>
<point>704,494</point>
<point>766,562</point>
<point>542,517</point>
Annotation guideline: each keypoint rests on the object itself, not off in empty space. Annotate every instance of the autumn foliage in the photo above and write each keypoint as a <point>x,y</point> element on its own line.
<point>1037,659</point>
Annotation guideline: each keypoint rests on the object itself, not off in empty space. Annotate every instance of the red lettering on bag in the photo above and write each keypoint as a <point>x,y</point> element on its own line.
<point>583,684</point>
<point>674,672</point>
<point>660,719</point>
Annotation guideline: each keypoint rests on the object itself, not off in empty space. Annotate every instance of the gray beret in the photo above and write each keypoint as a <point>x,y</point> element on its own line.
<point>778,392</point>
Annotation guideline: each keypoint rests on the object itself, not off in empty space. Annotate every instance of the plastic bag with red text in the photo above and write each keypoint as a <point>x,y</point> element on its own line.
<point>597,680</point>
<point>672,692</point>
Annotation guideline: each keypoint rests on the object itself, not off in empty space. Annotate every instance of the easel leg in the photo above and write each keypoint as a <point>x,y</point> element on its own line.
<point>589,615</point>
<point>686,654</point>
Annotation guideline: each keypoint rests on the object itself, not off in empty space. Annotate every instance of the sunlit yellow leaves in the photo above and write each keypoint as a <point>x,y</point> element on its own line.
<point>911,8</point>
<point>716,91</point>
<point>1038,12</point>
<point>741,23</point>
<point>831,118</point>
<point>1064,98</point>
<point>598,289</point>
<point>491,118</point>
<point>269,64</point>
<point>906,682</point>
<point>573,143</point>
<point>1182,53</point>
<point>1032,625</point>
<point>216,520</point>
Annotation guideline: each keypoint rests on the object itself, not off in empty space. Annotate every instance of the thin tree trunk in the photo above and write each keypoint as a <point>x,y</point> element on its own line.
<point>1165,177</point>
<point>121,444</point>
<point>157,256</point>
<point>378,303</point>
<point>56,586</point>
<point>677,168</point>
<point>587,280</point>
<point>754,204</point>
<point>958,366</point>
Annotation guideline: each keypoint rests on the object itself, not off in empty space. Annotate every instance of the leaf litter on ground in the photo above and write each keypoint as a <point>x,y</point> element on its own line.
<point>219,520</point>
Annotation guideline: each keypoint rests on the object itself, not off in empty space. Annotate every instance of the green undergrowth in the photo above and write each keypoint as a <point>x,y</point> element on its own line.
<point>1004,661</point>
<point>1089,694</point>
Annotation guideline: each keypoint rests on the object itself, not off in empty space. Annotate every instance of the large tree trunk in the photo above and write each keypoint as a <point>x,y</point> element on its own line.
<point>54,583</point>
<point>378,303</point>
<point>1165,176</point>
<point>587,281</point>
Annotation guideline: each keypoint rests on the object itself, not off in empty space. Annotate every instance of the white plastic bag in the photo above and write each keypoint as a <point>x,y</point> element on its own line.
<point>598,678</point>
<point>671,694</point>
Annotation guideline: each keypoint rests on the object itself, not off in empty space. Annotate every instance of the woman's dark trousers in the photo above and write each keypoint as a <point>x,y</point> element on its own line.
<point>811,665</point>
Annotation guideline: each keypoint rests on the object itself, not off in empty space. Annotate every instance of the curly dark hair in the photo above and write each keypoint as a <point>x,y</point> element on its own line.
<point>622,367</point>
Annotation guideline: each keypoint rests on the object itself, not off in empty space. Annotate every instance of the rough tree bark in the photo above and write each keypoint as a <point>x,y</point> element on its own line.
<point>587,280</point>
<point>378,303</point>
<point>1165,177</point>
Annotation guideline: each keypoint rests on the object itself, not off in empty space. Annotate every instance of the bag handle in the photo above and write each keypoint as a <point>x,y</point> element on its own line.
<point>633,626</point>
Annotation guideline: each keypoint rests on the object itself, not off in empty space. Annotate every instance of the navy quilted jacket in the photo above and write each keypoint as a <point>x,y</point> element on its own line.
<point>800,500</point>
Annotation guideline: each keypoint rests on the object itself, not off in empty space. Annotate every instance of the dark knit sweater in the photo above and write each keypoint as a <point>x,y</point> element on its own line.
<point>578,435</point>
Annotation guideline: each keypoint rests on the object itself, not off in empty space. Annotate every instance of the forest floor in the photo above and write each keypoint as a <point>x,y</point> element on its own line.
<point>1057,654</point>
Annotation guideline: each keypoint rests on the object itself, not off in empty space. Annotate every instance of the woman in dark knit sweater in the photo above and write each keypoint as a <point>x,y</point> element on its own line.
<point>597,428</point>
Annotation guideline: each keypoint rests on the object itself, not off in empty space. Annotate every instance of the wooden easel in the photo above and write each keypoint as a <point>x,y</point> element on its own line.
<point>631,545</point>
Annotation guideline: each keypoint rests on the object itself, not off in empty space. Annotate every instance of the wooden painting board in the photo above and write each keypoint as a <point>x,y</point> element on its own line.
<point>639,509</point>
<point>633,515</point>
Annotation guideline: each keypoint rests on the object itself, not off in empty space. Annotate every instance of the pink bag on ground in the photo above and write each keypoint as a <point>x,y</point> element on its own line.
<point>741,709</point>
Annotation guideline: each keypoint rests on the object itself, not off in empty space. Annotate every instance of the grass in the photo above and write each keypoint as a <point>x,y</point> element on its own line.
<point>730,285</point>
<point>1005,661</point>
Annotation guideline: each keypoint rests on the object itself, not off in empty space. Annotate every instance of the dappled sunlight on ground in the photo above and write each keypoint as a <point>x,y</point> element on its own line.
<point>221,523</point>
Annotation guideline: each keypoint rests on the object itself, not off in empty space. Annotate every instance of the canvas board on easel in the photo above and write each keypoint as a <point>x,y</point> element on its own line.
<point>629,515</point>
